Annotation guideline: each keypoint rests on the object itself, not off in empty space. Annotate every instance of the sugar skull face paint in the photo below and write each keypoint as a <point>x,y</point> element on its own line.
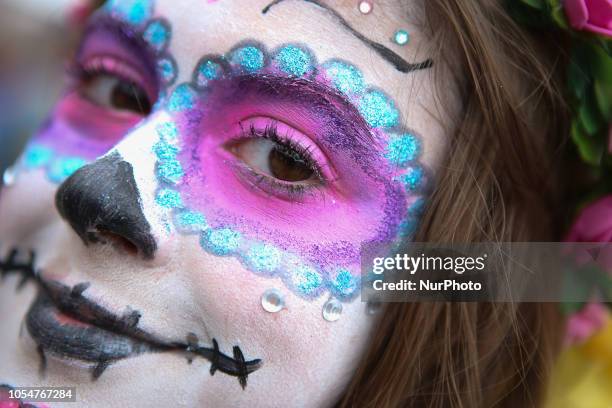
<point>278,130</point>
<point>232,157</point>
<point>120,66</point>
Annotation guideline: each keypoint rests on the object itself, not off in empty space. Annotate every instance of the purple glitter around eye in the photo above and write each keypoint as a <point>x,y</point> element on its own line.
<point>356,125</point>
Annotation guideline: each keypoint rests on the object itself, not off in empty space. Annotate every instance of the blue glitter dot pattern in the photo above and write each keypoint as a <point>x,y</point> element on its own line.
<point>131,11</point>
<point>306,280</point>
<point>63,168</point>
<point>157,35</point>
<point>345,77</point>
<point>190,222</point>
<point>165,151</point>
<point>37,156</point>
<point>344,284</point>
<point>402,149</point>
<point>378,110</point>
<point>171,171</point>
<point>169,198</point>
<point>183,98</point>
<point>263,258</point>
<point>294,61</point>
<point>207,71</point>
<point>167,131</point>
<point>221,241</point>
<point>166,70</point>
<point>411,179</point>
<point>250,58</point>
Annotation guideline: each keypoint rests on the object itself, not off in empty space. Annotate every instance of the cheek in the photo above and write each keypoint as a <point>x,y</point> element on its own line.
<point>22,216</point>
<point>296,343</point>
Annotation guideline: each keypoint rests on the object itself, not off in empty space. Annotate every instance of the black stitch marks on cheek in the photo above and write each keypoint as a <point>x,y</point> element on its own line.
<point>237,366</point>
<point>102,204</point>
<point>100,337</point>
<point>11,264</point>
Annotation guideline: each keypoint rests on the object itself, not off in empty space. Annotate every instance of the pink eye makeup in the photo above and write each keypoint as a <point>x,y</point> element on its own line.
<point>279,160</point>
<point>283,162</point>
<point>289,166</point>
<point>113,83</point>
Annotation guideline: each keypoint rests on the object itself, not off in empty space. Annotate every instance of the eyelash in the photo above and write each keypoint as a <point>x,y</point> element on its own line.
<point>293,191</point>
<point>81,72</point>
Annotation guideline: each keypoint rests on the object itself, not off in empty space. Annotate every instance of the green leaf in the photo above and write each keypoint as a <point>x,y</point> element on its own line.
<point>603,96</point>
<point>589,116</point>
<point>590,150</point>
<point>601,64</point>
<point>577,76</point>
<point>537,4</point>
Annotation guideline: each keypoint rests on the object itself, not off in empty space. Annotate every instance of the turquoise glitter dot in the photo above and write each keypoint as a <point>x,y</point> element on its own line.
<point>378,110</point>
<point>402,149</point>
<point>170,171</point>
<point>263,258</point>
<point>411,179</point>
<point>166,70</point>
<point>250,58</point>
<point>222,241</point>
<point>169,198</point>
<point>190,222</point>
<point>63,168</point>
<point>165,151</point>
<point>157,35</point>
<point>345,77</point>
<point>183,97</point>
<point>167,131</point>
<point>208,71</point>
<point>294,60</point>
<point>131,11</point>
<point>306,280</point>
<point>408,227</point>
<point>37,156</point>
<point>344,283</point>
<point>401,37</point>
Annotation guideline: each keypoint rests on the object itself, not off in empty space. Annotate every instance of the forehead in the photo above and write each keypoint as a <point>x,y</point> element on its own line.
<point>213,27</point>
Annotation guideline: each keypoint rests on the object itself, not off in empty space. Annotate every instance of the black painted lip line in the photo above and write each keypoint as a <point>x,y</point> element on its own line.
<point>82,342</point>
<point>55,296</point>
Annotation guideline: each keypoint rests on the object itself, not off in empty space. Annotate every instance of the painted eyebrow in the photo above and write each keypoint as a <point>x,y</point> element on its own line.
<point>394,59</point>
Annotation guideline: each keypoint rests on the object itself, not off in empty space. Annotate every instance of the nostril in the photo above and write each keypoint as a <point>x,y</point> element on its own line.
<point>117,241</point>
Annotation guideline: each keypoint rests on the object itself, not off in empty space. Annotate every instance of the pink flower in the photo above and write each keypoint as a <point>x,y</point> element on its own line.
<point>594,224</point>
<point>590,15</point>
<point>583,324</point>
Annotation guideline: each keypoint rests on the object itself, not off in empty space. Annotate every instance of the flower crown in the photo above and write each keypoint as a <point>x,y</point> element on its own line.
<point>588,23</point>
<point>589,74</point>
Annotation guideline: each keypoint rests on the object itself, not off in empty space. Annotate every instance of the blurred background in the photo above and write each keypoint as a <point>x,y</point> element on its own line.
<point>36,39</point>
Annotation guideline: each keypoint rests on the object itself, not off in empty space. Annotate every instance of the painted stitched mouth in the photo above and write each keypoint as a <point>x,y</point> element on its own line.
<point>65,323</point>
<point>86,337</point>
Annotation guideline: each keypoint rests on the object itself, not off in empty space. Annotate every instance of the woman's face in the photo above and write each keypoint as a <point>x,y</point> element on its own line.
<point>227,161</point>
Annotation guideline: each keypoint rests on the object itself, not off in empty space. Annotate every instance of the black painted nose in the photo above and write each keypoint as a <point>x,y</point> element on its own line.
<point>101,203</point>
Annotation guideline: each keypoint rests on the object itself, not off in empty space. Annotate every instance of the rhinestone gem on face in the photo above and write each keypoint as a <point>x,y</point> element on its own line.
<point>365,7</point>
<point>401,37</point>
<point>272,301</point>
<point>332,309</point>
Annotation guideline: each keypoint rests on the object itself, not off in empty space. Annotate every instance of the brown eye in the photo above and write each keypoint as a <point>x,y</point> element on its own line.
<point>288,165</point>
<point>114,93</point>
<point>275,160</point>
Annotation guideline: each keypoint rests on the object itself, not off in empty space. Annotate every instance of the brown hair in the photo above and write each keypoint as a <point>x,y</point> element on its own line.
<point>501,182</point>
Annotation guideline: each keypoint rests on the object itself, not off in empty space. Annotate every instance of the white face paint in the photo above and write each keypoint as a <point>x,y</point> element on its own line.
<point>169,295</point>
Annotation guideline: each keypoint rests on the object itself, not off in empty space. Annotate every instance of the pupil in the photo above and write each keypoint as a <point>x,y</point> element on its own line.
<point>287,164</point>
<point>127,96</point>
